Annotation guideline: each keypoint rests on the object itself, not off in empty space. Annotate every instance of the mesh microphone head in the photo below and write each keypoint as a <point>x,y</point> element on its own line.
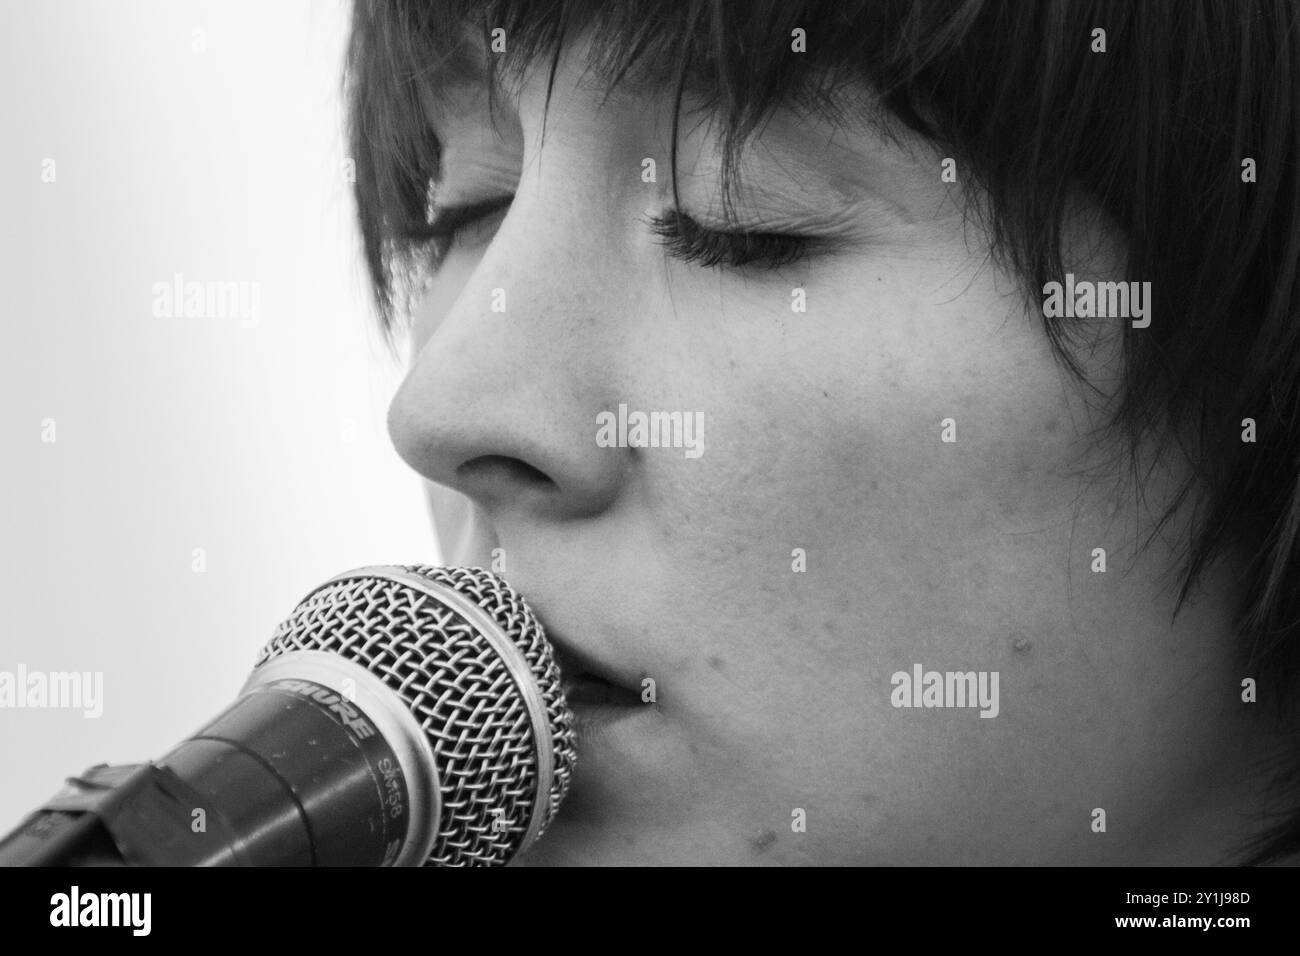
<point>425,632</point>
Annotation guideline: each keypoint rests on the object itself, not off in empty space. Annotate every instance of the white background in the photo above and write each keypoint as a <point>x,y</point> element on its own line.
<point>175,433</point>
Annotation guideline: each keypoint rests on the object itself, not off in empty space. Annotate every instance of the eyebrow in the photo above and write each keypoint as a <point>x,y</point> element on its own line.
<point>821,205</point>
<point>442,104</point>
<point>863,174</point>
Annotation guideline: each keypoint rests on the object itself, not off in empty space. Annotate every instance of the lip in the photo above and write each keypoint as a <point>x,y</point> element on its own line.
<point>580,671</point>
<point>587,690</point>
<point>597,696</point>
<point>588,686</point>
<point>591,722</point>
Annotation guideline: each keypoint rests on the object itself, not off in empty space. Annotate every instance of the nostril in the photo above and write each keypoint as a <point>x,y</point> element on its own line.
<point>499,468</point>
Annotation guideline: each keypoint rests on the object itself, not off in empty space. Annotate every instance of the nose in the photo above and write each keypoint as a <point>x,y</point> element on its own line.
<point>502,405</point>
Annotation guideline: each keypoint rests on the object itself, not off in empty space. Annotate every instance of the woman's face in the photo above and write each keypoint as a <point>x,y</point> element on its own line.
<point>823,537</point>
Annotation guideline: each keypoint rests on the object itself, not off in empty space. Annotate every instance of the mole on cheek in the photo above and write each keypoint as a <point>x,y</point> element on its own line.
<point>763,841</point>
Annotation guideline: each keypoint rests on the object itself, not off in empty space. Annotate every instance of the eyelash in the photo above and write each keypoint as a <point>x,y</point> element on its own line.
<point>688,241</point>
<point>449,222</point>
<point>683,237</point>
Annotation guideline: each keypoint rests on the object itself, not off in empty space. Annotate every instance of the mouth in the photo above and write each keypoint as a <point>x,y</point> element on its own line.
<point>586,683</point>
<point>597,696</point>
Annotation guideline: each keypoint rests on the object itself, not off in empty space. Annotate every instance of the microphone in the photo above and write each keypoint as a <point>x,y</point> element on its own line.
<point>402,715</point>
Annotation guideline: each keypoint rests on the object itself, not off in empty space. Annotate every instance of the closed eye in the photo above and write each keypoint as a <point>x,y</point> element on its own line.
<point>448,226</point>
<point>682,236</point>
<point>687,240</point>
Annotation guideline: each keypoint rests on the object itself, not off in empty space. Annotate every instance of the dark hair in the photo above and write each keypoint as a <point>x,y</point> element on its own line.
<point>1154,131</point>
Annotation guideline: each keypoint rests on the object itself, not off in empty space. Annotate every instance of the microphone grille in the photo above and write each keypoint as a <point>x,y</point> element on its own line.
<point>401,624</point>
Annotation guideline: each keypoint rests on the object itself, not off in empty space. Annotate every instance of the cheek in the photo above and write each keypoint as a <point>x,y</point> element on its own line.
<point>865,541</point>
<point>881,422</point>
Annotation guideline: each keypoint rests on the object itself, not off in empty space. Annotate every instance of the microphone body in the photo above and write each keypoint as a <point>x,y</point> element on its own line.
<point>401,716</point>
